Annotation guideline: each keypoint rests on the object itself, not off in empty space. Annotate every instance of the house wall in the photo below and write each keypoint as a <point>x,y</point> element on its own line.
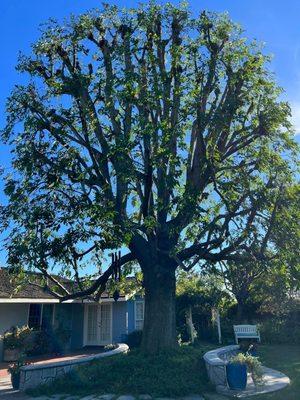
<point>119,326</point>
<point>77,326</point>
<point>123,322</point>
<point>71,317</point>
<point>12,315</point>
<point>63,316</point>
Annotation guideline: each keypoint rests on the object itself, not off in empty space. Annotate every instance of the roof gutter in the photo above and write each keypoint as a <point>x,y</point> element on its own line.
<point>26,300</point>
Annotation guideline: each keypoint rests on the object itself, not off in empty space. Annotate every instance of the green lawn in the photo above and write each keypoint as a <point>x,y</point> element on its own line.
<point>285,359</point>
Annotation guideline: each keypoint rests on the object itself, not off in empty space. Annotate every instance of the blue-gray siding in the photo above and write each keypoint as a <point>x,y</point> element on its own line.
<point>77,326</point>
<point>119,325</point>
<point>71,317</point>
<point>131,316</point>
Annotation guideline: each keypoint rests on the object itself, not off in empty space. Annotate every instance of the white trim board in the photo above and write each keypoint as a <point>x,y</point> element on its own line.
<point>56,301</point>
<point>135,318</point>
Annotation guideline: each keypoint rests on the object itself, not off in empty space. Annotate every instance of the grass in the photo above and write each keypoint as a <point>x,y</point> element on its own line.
<point>177,373</point>
<point>285,359</point>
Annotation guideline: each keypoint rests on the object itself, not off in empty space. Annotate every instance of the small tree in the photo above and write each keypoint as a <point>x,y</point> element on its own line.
<point>197,296</point>
<point>255,279</point>
<point>148,129</point>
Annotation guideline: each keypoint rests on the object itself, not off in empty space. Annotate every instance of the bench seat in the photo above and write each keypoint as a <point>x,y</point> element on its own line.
<point>246,332</point>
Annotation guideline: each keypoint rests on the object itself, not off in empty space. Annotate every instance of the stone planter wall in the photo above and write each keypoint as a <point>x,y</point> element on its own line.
<point>41,374</point>
<point>215,361</point>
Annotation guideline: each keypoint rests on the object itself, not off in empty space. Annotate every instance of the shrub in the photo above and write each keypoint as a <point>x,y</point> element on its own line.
<point>16,338</point>
<point>175,373</point>
<point>281,330</point>
<point>134,339</point>
<point>15,368</point>
<point>41,343</point>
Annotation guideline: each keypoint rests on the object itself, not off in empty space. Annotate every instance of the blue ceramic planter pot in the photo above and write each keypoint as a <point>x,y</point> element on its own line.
<point>236,376</point>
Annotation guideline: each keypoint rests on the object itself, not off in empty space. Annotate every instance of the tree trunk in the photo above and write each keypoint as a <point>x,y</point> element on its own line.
<point>159,331</point>
<point>190,325</point>
<point>241,303</point>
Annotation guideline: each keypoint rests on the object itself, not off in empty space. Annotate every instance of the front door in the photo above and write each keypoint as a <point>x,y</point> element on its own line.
<point>98,324</point>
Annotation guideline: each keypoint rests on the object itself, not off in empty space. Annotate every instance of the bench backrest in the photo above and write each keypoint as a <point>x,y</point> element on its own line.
<point>251,329</point>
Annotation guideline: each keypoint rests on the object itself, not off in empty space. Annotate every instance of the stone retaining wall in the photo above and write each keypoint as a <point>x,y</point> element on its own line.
<point>215,361</point>
<point>41,374</point>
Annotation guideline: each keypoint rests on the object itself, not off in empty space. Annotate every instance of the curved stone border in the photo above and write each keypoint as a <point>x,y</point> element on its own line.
<point>273,381</point>
<point>40,374</point>
<point>216,360</point>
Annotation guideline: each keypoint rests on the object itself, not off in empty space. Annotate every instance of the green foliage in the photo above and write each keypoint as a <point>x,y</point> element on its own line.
<point>150,129</point>
<point>269,282</point>
<point>15,368</point>
<point>202,293</point>
<point>41,344</point>
<point>48,342</point>
<point>16,338</point>
<point>108,149</point>
<point>134,339</point>
<point>170,374</point>
<point>270,304</point>
<point>281,329</point>
<point>254,366</point>
<point>197,288</point>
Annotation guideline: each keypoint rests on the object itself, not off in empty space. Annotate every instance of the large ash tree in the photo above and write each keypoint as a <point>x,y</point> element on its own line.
<point>145,129</point>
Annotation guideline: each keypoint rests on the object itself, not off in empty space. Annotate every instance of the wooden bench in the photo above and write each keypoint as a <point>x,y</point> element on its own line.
<point>246,332</point>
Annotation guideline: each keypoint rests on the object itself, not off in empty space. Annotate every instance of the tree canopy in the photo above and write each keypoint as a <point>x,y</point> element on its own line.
<point>253,278</point>
<point>149,129</point>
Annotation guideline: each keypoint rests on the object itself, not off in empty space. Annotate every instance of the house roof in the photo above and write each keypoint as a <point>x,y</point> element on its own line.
<point>11,289</point>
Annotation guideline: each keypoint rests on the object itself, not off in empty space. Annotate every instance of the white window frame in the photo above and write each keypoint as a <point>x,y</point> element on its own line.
<point>138,320</point>
<point>85,325</point>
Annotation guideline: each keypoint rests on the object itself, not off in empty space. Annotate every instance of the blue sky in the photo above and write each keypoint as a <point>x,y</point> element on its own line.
<point>274,22</point>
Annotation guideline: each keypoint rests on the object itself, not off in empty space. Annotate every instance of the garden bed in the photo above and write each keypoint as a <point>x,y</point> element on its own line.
<point>173,374</point>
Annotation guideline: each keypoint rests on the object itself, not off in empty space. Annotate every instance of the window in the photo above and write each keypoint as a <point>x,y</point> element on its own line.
<point>139,315</point>
<point>35,315</point>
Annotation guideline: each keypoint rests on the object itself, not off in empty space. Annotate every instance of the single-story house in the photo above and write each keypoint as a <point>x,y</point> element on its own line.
<point>88,323</point>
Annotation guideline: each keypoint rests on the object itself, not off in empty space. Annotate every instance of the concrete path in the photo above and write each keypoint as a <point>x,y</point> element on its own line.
<point>8,393</point>
<point>272,381</point>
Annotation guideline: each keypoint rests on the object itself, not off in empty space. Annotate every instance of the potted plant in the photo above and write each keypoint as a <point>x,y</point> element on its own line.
<point>15,371</point>
<point>237,371</point>
<point>14,342</point>
<point>255,368</point>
